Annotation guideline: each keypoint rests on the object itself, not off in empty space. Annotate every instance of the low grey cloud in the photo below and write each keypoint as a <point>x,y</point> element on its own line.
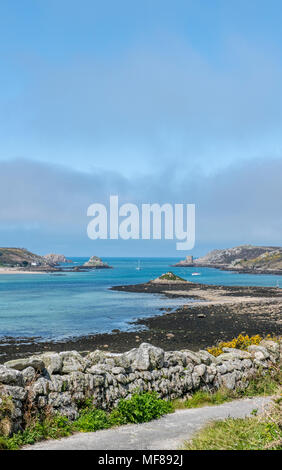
<point>241,204</point>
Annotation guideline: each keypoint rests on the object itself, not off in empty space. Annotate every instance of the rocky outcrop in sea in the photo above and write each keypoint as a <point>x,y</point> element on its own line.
<point>96,262</point>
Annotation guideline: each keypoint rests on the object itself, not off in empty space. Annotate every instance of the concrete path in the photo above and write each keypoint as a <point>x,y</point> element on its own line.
<point>169,432</point>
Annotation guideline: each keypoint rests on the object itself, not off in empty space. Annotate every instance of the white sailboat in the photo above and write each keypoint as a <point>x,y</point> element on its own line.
<point>138,268</point>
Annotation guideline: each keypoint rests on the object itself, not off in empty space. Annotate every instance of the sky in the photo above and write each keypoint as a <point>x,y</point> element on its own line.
<point>154,101</point>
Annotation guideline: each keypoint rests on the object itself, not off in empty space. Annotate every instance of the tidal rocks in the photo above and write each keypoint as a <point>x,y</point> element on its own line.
<point>96,262</point>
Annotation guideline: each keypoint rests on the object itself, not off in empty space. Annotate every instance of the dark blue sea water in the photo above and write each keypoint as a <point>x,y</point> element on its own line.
<point>75,304</point>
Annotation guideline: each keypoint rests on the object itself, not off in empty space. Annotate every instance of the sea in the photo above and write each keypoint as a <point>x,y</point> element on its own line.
<point>57,307</point>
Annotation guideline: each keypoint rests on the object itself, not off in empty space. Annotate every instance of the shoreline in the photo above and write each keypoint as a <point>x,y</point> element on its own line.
<point>55,270</point>
<point>230,268</point>
<point>222,313</point>
<point>19,271</point>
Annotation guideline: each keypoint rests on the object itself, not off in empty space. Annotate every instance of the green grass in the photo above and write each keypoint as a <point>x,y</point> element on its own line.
<point>262,385</point>
<point>201,398</point>
<point>254,433</point>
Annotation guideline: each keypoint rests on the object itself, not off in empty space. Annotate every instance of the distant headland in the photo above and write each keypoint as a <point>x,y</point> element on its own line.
<point>244,258</point>
<point>22,261</point>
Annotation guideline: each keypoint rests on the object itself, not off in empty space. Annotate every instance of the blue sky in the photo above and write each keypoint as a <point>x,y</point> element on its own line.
<point>153,99</point>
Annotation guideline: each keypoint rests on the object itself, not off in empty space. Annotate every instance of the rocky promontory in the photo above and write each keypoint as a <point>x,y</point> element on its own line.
<point>22,259</point>
<point>243,258</point>
<point>55,259</point>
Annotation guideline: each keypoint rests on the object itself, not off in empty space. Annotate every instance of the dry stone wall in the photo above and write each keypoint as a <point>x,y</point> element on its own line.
<point>57,382</point>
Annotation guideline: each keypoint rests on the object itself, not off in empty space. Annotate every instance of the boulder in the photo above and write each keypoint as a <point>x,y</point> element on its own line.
<point>271,346</point>
<point>172,358</point>
<point>191,357</point>
<point>21,364</point>
<point>206,357</point>
<point>10,376</point>
<point>148,357</point>
<point>112,359</point>
<point>229,380</point>
<point>233,354</point>
<point>200,370</point>
<point>40,387</point>
<point>53,362</point>
<point>72,362</point>
<point>29,375</point>
<point>16,392</point>
<point>259,352</point>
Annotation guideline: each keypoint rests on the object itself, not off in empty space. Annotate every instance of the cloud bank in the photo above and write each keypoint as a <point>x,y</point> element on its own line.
<point>241,204</point>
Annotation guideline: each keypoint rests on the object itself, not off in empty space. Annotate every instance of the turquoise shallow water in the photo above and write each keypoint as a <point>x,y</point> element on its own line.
<point>75,304</point>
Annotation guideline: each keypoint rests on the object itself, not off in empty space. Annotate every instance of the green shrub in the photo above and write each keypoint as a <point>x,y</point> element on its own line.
<point>142,407</point>
<point>92,420</point>
<point>50,427</point>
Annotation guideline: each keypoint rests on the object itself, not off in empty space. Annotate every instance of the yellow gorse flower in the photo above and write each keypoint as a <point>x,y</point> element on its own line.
<point>241,342</point>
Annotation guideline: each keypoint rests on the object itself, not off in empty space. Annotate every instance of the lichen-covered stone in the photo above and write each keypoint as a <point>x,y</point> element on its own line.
<point>229,380</point>
<point>259,352</point>
<point>18,393</point>
<point>10,376</point>
<point>191,357</point>
<point>21,364</point>
<point>72,362</point>
<point>272,347</point>
<point>148,357</point>
<point>206,357</point>
<point>29,375</point>
<point>40,387</point>
<point>53,362</point>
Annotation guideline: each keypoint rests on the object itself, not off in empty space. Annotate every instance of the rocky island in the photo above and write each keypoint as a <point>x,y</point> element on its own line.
<point>55,259</point>
<point>94,262</point>
<point>245,258</point>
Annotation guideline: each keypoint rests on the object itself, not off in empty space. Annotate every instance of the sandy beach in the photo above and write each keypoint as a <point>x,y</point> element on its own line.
<point>19,271</point>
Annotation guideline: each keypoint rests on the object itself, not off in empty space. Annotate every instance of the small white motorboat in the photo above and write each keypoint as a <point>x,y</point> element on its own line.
<point>196,274</point>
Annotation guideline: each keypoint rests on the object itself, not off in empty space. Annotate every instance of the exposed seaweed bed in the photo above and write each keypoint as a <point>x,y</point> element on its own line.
<point>223,313</point>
